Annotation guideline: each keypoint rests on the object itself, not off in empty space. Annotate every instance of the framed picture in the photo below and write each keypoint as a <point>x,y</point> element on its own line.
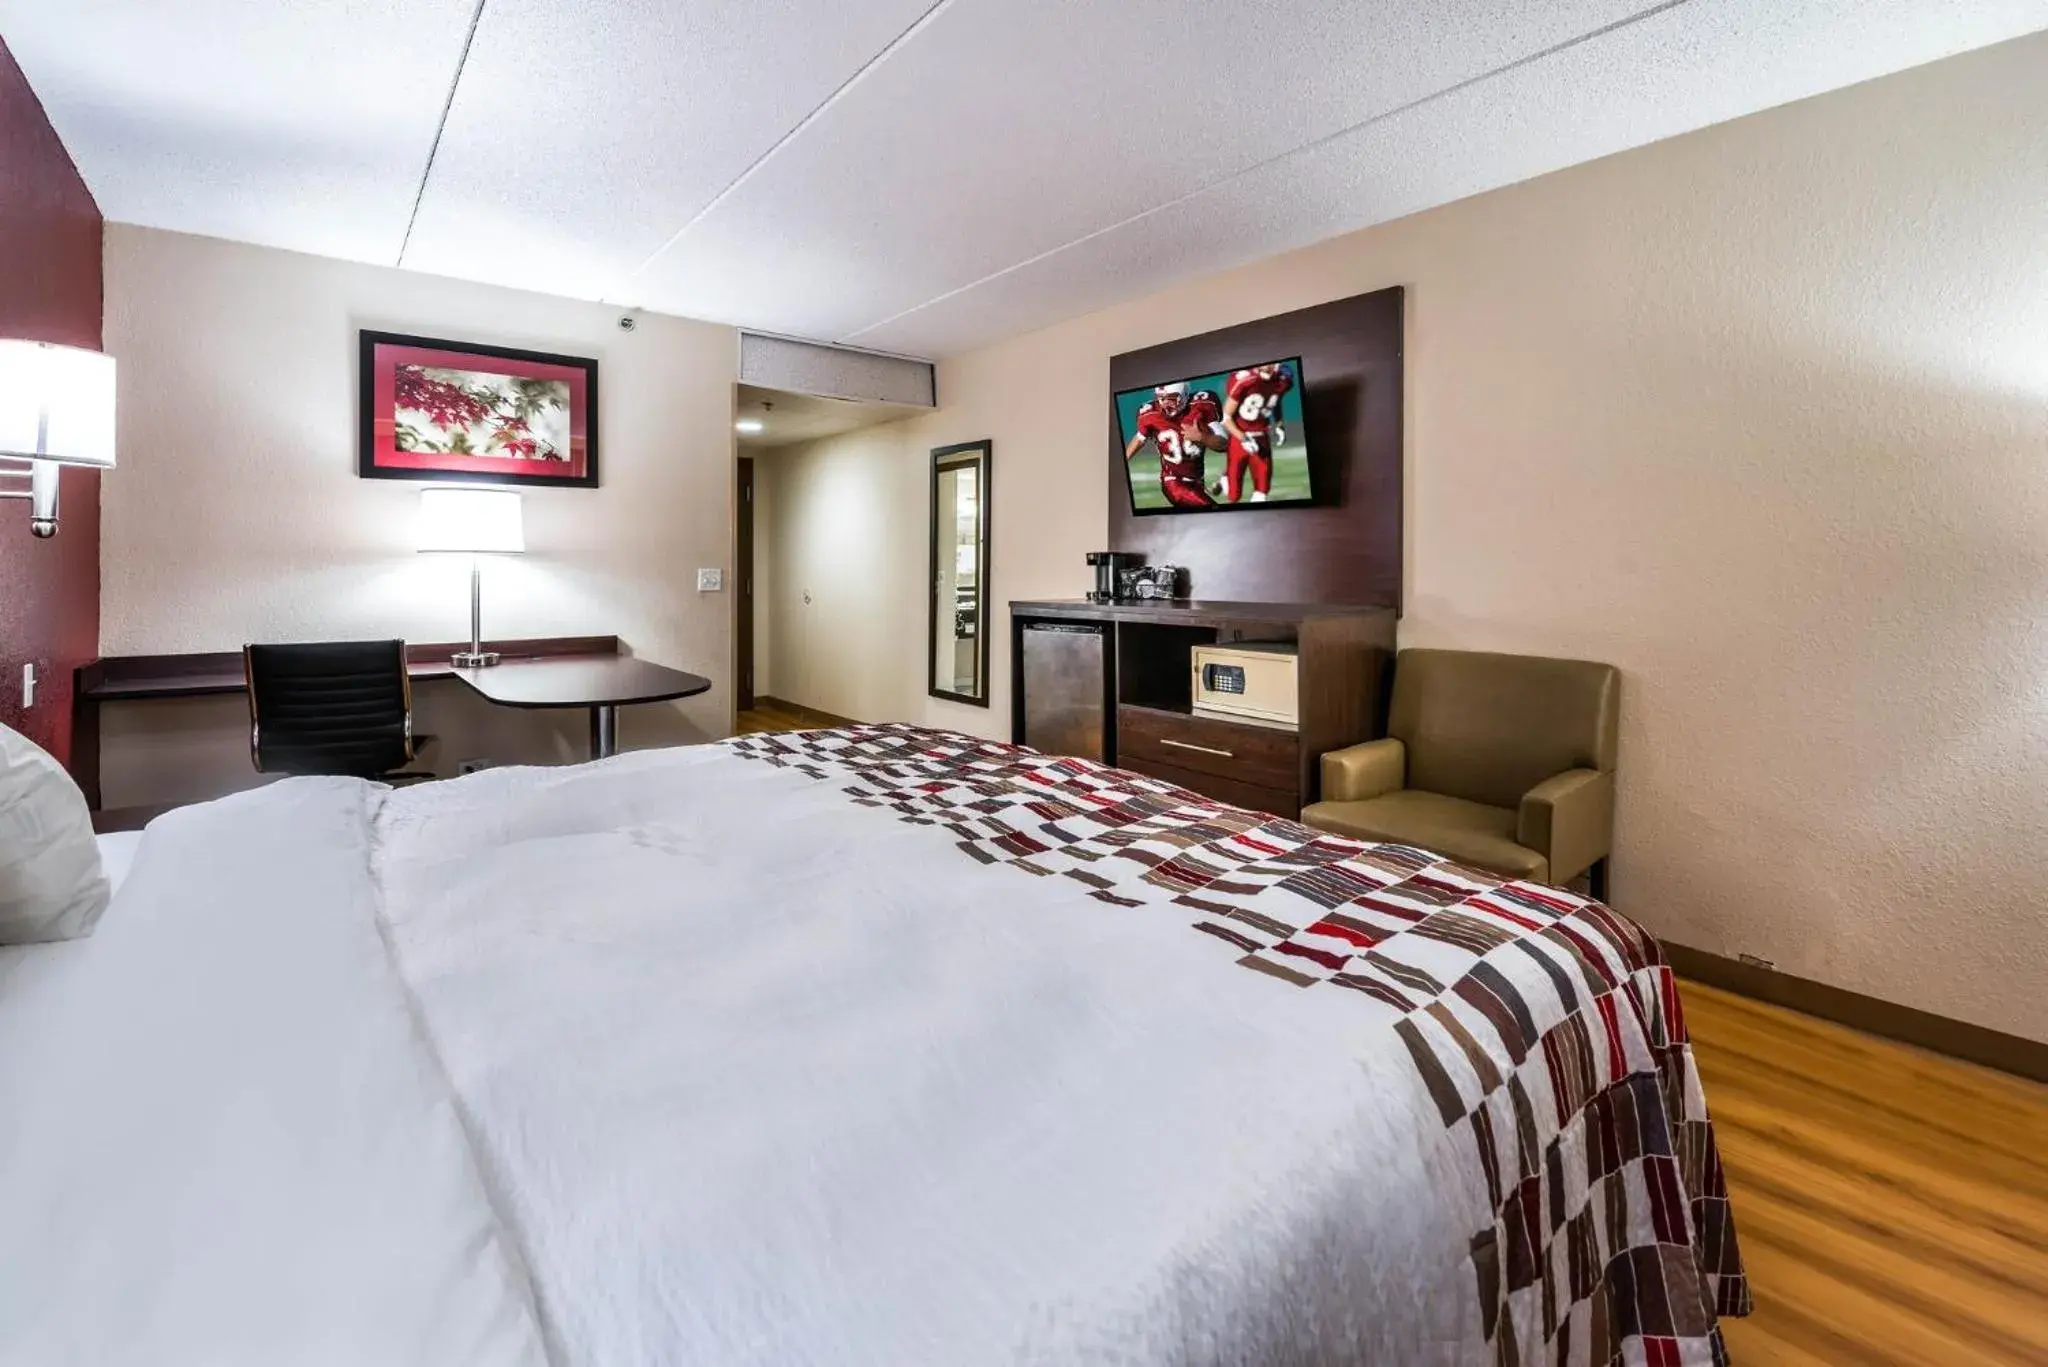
<point>440,410</point>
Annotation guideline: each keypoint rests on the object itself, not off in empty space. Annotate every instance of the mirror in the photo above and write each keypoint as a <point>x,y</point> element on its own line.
<point>959,582</point>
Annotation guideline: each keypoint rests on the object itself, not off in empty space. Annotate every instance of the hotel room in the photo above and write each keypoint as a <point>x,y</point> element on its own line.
<point>974,682</point>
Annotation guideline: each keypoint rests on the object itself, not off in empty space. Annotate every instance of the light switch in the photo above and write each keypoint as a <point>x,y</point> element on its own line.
<point>28,687</point>
<point>708,580</point>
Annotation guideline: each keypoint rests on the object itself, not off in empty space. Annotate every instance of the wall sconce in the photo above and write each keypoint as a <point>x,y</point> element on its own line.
<point>56,409</point>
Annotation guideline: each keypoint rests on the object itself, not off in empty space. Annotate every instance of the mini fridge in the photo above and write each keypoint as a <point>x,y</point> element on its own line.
<point>1064,688</point>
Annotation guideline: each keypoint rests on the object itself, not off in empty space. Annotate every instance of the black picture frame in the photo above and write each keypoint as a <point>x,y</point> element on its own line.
<point>983,459</point>
<point>368,464</point>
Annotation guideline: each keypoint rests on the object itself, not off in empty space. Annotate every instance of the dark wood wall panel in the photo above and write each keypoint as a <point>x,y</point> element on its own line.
<point>50,291</point>
<point>1346,549</point>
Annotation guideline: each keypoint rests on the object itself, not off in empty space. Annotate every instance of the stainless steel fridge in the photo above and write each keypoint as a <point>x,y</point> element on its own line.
<point>1064,688</point>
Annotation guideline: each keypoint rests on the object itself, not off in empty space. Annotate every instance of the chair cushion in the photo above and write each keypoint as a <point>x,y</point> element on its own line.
<point>1469,832</point>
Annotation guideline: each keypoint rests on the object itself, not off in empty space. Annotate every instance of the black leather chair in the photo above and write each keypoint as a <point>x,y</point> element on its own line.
<point>331,707</point>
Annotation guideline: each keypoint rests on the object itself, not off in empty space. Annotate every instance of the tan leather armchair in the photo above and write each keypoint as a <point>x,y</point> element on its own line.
<point>1504,762</point>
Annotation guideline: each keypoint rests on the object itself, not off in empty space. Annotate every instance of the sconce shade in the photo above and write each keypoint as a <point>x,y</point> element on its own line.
<point>56,404</point>
<point>479,521</point>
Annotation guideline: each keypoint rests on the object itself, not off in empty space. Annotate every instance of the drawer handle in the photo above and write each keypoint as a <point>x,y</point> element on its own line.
<point>1189,745</point>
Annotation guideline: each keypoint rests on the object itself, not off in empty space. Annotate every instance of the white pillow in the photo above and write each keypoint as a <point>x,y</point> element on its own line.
<point>51,884</point>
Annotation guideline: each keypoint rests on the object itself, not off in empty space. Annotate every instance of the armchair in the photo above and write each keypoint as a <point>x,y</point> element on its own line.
<point>1504,762</point>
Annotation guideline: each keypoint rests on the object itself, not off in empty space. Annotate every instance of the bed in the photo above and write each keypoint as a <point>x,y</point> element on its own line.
<point>873,1045</point>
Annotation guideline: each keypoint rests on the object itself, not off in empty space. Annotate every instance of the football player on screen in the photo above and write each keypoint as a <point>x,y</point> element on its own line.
<point>1184,427</point>
<point>1251,417</point>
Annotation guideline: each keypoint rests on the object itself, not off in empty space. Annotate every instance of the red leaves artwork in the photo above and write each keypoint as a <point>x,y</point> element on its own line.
<point>475,413</point>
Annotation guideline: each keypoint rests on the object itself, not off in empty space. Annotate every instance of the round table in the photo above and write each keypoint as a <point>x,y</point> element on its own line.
<point>602,684</point>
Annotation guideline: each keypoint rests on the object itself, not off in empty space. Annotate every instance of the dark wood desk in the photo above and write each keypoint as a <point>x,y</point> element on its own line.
<point>132,678</point>
<point>602,683</point>
<point>549,671</point>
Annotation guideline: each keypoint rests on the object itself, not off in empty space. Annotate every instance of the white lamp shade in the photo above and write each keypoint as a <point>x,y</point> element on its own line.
<point>474,520</point>
<point>56,403</point>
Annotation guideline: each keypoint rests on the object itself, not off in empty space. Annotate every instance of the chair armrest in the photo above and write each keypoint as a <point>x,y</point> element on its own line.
<point>1359,772</point>
<point>1569,819</point>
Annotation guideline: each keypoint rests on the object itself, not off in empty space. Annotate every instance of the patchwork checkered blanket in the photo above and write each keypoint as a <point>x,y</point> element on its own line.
<point>1545,1028</point>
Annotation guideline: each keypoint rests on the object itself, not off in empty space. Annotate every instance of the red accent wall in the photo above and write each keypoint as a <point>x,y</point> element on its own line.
<point>50,291</point>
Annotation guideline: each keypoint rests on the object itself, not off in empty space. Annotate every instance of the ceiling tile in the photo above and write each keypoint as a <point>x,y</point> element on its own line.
<point>302,124</point>
<point>1695,65</point>
<point>937,173</point>
<point>1006,128</point>
<point>583,136</point>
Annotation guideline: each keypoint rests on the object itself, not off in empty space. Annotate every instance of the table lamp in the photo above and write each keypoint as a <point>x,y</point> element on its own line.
<point>479,522</point>
<point>56,409</point>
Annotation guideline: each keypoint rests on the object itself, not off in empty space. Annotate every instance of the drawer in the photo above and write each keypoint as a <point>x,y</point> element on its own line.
<point>1263,756</point>
<point>1234,791</point>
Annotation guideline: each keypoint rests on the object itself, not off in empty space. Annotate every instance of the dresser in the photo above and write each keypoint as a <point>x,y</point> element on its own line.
<point>1114,682</point>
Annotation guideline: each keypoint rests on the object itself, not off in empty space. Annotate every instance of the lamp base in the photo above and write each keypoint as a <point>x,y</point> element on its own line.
<point>473,659</point>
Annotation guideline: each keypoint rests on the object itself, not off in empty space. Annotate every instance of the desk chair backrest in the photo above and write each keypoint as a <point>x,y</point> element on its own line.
<point>329,707</point>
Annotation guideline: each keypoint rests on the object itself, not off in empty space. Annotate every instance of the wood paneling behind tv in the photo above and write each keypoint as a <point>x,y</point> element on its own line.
<point>1346,548</point>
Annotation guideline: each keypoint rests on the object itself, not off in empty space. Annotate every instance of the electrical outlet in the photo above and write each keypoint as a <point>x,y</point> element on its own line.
<point>470,766</point>
<point>709,580</point>
<point>1756,961</point>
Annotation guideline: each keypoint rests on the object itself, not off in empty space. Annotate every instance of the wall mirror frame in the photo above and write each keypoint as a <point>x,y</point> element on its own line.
<point>956,601</point>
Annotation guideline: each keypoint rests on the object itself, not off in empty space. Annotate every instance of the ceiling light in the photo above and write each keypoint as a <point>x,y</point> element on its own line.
<point>749,426</point>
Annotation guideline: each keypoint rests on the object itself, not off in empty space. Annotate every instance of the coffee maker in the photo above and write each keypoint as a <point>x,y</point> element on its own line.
<point>1109,568</point>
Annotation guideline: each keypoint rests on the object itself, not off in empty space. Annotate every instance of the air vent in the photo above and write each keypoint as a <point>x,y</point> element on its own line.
<point>834,372</point>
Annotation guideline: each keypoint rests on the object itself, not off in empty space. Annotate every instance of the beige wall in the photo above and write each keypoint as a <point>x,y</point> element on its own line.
<point>1759,414</point>
<point>237,514</point>
<point>852,526</point>
<point>845,515</point>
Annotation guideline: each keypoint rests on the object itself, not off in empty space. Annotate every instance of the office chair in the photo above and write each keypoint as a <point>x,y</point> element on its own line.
<point>331,707</point>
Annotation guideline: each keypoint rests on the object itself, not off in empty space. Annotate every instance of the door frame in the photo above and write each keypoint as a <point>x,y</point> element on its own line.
<point>743,600</point>
<point>981,456</point>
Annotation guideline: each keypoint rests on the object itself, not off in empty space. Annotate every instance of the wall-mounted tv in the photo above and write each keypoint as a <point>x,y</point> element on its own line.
<point>1212,443</point>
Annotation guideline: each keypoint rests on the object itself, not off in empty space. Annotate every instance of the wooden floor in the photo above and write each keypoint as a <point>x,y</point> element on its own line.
<point>772,714</point>
<point>1892,1205</point>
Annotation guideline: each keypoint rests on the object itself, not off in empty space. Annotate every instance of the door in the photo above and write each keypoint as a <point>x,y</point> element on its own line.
<point>743,603</point>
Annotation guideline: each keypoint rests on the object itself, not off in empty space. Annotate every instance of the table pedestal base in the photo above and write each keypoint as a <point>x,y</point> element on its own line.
<point>604,731</point>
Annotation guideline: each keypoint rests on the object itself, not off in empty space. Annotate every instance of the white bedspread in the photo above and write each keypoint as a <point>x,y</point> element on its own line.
<point>222,1141</point>
<point>762,1076</point>
<point>686,1058</point>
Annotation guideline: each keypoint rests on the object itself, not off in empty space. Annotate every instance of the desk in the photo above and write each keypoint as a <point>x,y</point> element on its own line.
<point>549,671</point>
<point>601,683</point>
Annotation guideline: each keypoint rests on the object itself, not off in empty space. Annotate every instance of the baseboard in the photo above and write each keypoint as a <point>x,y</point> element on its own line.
<point>1958,1039</point>
<point>808,713</point>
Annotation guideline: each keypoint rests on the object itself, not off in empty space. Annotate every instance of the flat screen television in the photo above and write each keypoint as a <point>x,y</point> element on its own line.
<point>1212,443</point>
